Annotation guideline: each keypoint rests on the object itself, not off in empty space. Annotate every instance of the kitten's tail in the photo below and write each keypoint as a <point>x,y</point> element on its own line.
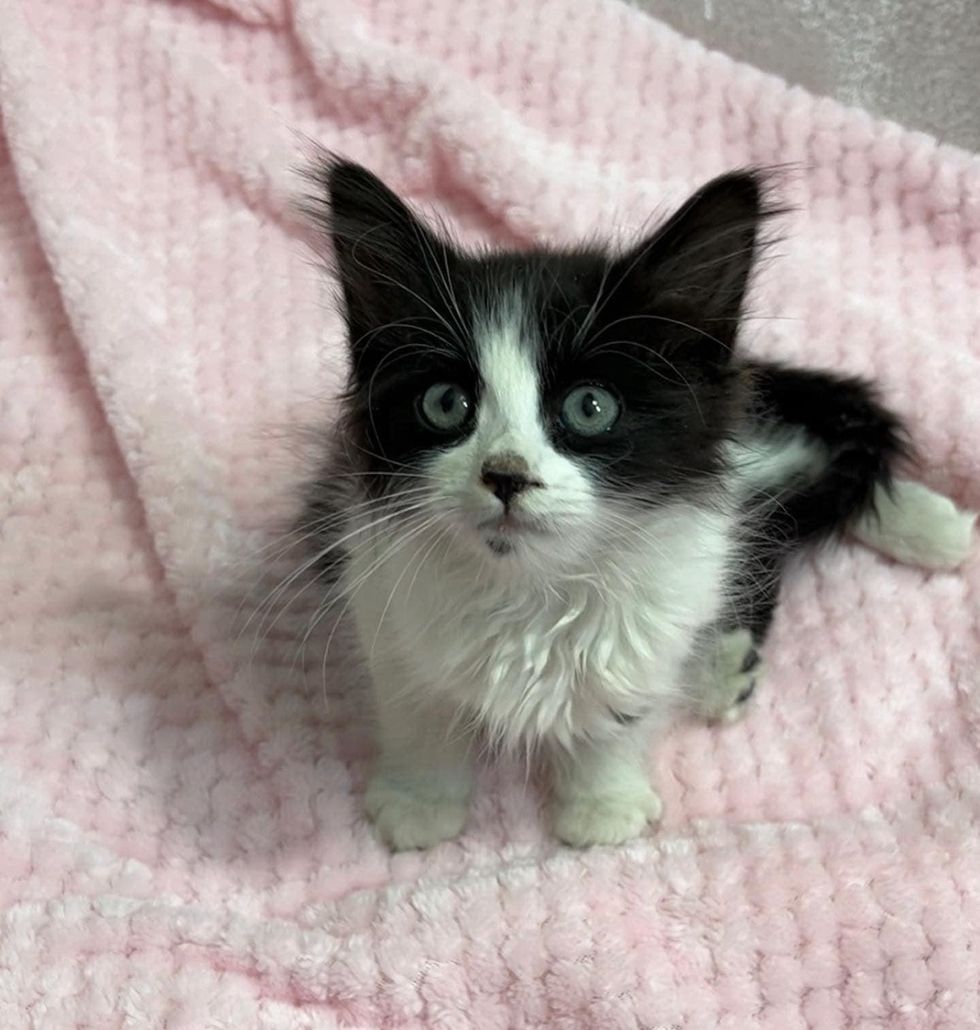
<point>917,526</point>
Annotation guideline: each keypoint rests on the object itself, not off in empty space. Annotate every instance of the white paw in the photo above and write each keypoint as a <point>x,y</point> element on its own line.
<point>915,525</point>
<point>610,819</point>
<point>409,816</point>
<point>732,672</point>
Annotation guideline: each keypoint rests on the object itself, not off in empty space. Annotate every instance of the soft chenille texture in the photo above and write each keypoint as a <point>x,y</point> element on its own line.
<point>181,832</point>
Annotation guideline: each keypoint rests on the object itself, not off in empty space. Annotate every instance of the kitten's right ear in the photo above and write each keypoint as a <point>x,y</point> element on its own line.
<point>382,250</point>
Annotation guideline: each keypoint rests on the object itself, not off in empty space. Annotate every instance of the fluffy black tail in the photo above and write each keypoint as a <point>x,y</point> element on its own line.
<point>863,442</point>
<point>858,443</point>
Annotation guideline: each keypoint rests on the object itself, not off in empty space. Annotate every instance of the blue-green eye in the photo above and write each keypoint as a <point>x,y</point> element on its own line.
<point>589,410</point>
<point>445,407</point>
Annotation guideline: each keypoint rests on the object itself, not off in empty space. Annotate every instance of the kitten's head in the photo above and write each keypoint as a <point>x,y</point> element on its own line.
<point>535,401</point>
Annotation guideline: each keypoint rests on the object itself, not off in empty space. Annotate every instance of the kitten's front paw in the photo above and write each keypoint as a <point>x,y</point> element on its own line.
<point>610,819</point>
<point>409,817</point>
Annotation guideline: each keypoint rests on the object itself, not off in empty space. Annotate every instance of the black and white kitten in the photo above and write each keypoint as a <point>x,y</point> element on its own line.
<point>566,501</point>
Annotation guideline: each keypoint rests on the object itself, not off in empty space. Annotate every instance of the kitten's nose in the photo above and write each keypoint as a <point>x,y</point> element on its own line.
<point>506,476</point>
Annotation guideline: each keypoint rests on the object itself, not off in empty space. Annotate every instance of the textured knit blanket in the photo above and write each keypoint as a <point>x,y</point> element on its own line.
<point>181,837</point>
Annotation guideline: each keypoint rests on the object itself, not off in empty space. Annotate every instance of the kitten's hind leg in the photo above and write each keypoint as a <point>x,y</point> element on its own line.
<point>817,447</point>
<point>915,525</point>
<point>727,666</point>
<point>725,675</point>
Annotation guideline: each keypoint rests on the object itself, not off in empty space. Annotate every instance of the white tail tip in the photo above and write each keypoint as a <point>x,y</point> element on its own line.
<point>917,526</point>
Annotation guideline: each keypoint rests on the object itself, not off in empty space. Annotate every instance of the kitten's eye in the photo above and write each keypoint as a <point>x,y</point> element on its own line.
<point>446,407</point>
<point>589,410</point>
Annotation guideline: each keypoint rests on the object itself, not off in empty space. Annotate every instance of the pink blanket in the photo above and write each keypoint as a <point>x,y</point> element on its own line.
<point>181,836</point>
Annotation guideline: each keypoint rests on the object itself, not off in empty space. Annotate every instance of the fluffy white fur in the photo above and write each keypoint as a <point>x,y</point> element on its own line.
<point>916,525</point>
<point>574,631</point>
<point>592,615</point>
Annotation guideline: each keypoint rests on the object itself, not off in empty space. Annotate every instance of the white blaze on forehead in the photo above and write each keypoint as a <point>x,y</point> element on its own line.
<point>510,407</point>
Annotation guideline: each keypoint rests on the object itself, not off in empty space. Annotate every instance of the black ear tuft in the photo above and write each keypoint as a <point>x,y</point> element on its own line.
<point>384,254</point>
<point>696,267</point>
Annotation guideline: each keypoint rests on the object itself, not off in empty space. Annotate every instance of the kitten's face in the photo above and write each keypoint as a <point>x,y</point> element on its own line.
<point>530,404</point>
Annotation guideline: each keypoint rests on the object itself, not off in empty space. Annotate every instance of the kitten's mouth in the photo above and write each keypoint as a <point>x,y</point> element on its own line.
<point>511,524</point>
<point>502,531</point>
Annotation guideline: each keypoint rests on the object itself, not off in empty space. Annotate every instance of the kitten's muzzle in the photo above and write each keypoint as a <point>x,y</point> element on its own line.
<point>506,476</point>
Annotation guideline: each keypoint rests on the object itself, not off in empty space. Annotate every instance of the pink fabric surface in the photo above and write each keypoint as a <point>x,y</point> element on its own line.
<point>181,836</point>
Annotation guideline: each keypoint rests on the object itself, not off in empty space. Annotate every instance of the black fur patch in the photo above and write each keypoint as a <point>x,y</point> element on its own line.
<point>655,325</point>
<point>864,441</point>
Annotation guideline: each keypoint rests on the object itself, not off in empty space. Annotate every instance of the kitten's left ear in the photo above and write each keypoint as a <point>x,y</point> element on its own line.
<point>696,267</point>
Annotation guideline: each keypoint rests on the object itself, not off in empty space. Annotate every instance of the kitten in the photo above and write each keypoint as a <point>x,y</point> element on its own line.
<point>566,501</point>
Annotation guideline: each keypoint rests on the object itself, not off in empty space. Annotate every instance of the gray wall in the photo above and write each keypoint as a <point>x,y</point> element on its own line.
<point>914,61</point>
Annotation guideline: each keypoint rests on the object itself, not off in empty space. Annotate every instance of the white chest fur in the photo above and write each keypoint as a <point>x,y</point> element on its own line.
<point>527,660</point>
